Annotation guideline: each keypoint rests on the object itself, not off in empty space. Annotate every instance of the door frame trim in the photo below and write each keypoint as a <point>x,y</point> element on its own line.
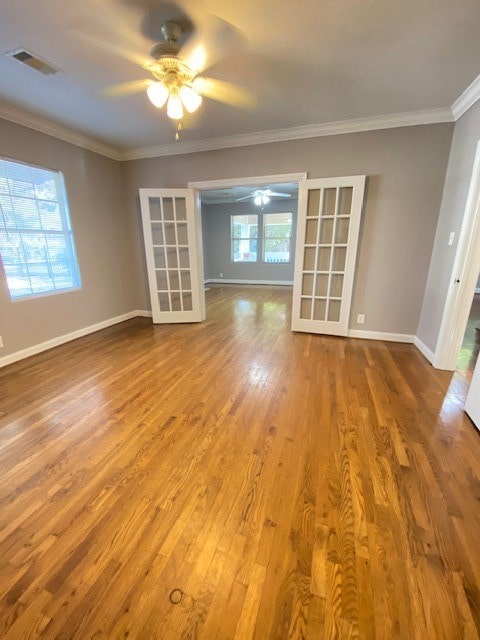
<point>224,183</point>
<point>464,277</point>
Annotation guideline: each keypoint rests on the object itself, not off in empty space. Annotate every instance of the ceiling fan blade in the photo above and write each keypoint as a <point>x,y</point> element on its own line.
<point>127,88</point>
<point>109,47</point>
<point>277,194</point>
<point>212,40</point>
<point>252,195</point>
<point>224,92</point>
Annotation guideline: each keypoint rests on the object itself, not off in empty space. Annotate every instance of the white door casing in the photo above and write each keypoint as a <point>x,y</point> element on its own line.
<point>175,273</point>
<point>329,214</point>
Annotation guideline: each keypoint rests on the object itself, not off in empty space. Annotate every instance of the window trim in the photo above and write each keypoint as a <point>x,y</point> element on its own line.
<point>66,232</point>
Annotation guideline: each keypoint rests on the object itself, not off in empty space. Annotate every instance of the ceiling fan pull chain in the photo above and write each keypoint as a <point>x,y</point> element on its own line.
<point>177,133</point>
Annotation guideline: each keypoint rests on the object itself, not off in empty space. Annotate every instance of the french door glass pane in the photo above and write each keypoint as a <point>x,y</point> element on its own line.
<point>311,231</point>
<point>307,284</point>
<point>306,308</point>
<point>345,195</point>
<point>321,288</point>
<point>313,204</point>
<point>329,199</point>
<point>320,309</point>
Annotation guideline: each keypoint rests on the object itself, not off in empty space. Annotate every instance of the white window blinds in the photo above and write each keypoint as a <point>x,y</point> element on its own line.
<point>36,242</point>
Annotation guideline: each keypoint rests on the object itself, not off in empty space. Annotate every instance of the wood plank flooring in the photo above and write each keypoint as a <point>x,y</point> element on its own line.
<point>289,485</point>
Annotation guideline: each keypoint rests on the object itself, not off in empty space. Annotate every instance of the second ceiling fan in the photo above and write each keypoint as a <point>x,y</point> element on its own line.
<point>263,196</point>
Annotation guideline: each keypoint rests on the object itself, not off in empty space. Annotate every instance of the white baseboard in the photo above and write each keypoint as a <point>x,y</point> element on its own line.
<point>55,342</point>
<point>288,283</point>
<point>424,350</point>
<point>380,335</point>
<point>67,337</point>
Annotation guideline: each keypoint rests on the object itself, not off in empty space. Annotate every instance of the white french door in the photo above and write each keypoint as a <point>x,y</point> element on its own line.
<point>175,274</point>
<point>329,212</point>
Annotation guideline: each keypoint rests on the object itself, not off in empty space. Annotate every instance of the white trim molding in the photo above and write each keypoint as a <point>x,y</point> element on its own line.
<point>468,98</point>
<point>68,337</point>
<point>381,335</point>
<point>374,123</point>
<point>424,350</point>
<point>253,181</point>
<point>50,127</point>
<point>278,283</point>
<point>56,130</point>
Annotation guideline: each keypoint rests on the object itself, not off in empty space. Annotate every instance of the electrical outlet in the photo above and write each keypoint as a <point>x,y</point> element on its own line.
<point>360,318</point>
<point>221,275</point>
<point>1,342</point>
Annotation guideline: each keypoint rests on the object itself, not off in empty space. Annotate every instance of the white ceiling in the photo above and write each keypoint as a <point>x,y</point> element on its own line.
<point>228,196</point>
<point>305,63</point>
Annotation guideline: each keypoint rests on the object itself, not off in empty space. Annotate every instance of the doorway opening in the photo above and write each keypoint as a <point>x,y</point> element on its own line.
<point>464,281</point>
<point>248,231</point>
<point>468,355</point>
<point>249,239</point>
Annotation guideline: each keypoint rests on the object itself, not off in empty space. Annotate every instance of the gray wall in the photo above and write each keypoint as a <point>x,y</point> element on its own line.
<point>103,246</point>
<point>216,242</point>
<point>457,182</point>
<point>406,169</point>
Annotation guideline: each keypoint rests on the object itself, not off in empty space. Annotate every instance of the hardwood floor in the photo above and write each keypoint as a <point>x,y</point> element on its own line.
<point>289,485</point>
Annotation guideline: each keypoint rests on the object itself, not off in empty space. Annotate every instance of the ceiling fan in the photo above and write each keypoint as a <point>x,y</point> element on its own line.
<point>262,196</point>
<point>177,62</point>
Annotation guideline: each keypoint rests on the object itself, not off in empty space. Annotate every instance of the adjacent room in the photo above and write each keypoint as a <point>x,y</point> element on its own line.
<point>249,234</point>
<point>239,320</point>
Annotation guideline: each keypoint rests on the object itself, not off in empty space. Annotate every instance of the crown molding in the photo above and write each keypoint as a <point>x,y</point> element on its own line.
<point>44,125</point>
<point>374,123</point>
<point>468,98</point>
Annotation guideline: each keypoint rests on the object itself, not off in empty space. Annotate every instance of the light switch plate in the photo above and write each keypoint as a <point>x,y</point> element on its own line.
<point>451,238</point>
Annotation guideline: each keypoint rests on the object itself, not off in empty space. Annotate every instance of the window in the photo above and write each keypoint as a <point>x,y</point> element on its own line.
<point>36,243</point>
<point>277,237</point>
<point>244,238</point>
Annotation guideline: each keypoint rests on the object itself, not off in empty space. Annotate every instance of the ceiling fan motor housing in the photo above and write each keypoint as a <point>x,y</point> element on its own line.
<point>171,70</point>
<point>171,31</point>
<point>168,67</point>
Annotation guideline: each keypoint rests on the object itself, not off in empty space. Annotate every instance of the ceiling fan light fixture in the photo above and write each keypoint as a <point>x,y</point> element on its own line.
<point>258,200</point>
<point>190,98</point>
<point>158,94</point>
<point>265,199</point>
<point>174,106</point>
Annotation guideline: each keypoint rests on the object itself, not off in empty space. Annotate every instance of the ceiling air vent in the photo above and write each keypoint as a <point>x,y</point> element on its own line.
<point>32,61</point>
